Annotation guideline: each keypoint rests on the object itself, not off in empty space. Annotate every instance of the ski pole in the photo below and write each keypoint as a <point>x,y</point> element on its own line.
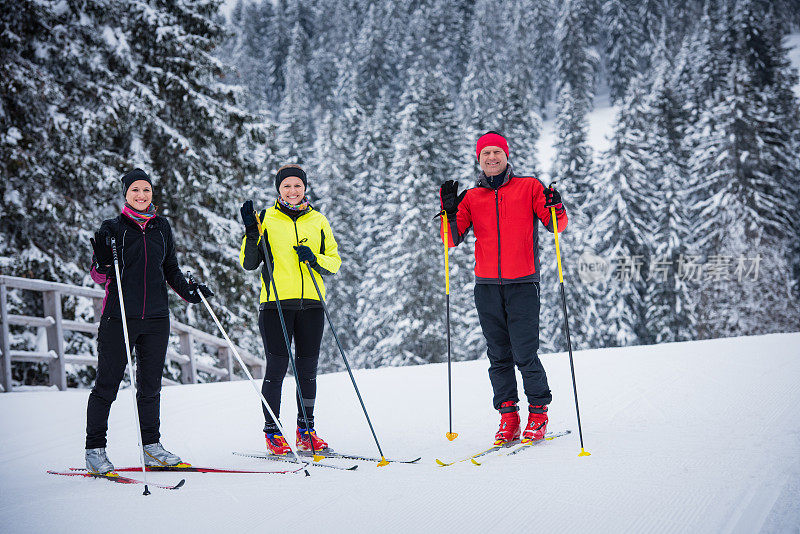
<point>247,372</point>
<point>443,214</point>
<point>383,461</point>
<point>268,263</point>
<point>566,323</point>
<point>130,363</point>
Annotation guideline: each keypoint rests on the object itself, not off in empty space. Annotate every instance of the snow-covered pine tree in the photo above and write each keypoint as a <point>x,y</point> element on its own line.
<point>622,43</point>
<point>670,300</point>
<point>295,133</point>
<point>256,58</point>
<point>407,305</point>
<point>374,150</point>
<point>120,85</point>
<point>576,65</point>
<point>328,168</point>
<point>336,25</point>
<point>540,17</point>
<point>371,66</point>
<point>480,106</point>
<point>300,12</point>
<point>521,124</point>
<point>744,171</point>
<point>620,206</point>
<point>345,194</point>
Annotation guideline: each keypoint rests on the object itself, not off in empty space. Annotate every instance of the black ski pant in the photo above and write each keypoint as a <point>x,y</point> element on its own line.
<point>148,338</point>
<point>305,328</point>
<point>509,317</point>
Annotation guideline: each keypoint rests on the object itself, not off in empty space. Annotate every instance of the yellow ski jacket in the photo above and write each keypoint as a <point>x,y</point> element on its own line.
<point>285,230</point>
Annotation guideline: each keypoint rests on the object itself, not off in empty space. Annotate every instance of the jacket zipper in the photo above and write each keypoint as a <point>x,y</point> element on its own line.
<point>144,299</point>
<point>497,211</point>
<point>300,264</point>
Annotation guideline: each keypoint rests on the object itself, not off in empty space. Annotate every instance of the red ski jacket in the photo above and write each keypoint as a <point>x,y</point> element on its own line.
<point>506,234</point>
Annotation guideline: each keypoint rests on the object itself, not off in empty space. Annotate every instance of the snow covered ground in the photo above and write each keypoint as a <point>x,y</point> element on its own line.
<point>687,437</point>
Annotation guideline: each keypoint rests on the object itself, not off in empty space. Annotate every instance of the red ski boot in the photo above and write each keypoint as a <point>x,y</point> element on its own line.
<point>509,423</point>
<point>537,424</point>
<point>276,444</point>
<point>304,441</point>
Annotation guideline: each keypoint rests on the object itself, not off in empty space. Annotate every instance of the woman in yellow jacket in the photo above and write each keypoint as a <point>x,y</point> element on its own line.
<point>295,233</point>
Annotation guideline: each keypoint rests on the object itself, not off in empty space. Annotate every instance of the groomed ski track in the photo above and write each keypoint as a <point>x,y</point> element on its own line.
<point>685,437</point>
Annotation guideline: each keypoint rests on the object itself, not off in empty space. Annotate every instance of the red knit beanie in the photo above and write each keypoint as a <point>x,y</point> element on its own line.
<point>491,138</point>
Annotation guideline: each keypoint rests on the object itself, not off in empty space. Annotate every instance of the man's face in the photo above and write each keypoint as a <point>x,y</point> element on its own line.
<point>493,160</point>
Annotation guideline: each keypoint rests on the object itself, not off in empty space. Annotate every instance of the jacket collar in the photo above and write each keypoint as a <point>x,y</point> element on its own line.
<point>127,220</point>
<point>294,215</point>
<point>483,181</point>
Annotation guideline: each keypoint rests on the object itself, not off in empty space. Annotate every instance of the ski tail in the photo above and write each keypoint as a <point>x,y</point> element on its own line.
<point>114,477</point>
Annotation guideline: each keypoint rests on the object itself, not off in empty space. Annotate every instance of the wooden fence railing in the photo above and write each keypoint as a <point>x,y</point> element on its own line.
<point>52,327</point>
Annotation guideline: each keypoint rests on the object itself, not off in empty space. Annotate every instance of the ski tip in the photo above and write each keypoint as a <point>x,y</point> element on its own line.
<point>474,461</point>
<point>415,460</point>
<point>441,463</point>
<point>180,484</point>
<point>451,435</point>
<point>352,468</point>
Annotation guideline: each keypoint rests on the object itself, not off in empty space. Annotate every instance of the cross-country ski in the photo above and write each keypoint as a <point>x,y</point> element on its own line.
<point>286,459</point>
<point>195,469</point>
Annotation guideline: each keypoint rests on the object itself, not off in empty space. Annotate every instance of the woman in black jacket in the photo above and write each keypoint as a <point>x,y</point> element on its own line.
<point>146,255</point>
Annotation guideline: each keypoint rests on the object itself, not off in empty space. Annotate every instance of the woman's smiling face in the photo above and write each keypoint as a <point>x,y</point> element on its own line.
<point>139,195</point>
<point>292,190</point>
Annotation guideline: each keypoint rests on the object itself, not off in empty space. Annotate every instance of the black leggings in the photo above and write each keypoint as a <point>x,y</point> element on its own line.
<point>149,338</point>
<point>305,327</point>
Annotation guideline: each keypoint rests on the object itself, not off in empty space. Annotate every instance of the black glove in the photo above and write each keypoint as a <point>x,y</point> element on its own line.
<point>450,197</point>
<point>248,217</point>
<point>195,289</point>
<point>305,255</point>
<point>103,255</point>
<point>552,198</point>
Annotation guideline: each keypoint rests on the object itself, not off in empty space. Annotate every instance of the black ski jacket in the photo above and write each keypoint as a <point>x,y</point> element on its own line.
<point>147,263</point>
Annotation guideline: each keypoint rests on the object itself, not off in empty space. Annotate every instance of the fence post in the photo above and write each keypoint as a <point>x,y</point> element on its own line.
<point>5,340</point>
<point>261,370</point>
<point>188,370</point>
<point>225,359</point>
<point>55,339</point>
<point>97,305</point>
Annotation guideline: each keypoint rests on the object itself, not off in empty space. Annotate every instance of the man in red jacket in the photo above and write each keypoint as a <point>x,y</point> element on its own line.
<point>503,211</point>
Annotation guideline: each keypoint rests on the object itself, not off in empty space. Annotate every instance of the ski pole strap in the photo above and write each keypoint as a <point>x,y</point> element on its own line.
<point>258,220</point>
<point>558,248</point>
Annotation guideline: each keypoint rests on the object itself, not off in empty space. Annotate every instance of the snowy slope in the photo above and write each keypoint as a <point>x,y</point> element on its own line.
<point>690,437</point>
